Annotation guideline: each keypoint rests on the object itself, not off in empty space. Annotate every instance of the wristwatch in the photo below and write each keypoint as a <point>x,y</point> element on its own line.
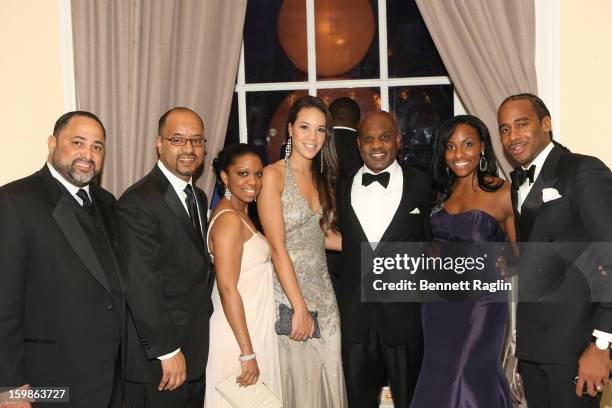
<point>601,344</point>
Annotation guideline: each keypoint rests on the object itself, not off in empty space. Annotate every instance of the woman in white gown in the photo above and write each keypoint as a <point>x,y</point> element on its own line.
<point>242,337</point>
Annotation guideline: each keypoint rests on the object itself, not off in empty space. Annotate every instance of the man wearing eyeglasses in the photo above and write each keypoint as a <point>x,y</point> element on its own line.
<point>168,275</point>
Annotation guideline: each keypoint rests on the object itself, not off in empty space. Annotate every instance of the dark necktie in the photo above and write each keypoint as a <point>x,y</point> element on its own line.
<point>87,204</point>
<point>519,176</point>
<point>192,207</point>
<point>382,178</point>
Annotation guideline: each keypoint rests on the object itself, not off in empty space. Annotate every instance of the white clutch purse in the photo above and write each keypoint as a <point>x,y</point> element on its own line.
<point>253,396</point>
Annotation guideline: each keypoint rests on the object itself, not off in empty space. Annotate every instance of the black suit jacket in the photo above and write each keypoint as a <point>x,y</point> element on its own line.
<point>59,322</point>
<point>559,282</point>
<point>398,322</point>
<point>347,150</point>
<point>168,278</point>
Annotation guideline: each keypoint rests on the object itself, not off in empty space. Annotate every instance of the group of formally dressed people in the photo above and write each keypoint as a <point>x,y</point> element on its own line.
<point>147,302</point>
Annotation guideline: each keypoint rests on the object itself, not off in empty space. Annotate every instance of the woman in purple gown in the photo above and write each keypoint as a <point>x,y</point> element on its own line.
<point>464,340</point>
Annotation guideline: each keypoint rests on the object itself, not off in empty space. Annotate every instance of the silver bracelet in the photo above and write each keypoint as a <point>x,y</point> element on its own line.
<point>247,358</point>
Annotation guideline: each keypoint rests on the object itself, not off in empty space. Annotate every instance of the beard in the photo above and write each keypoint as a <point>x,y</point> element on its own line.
<point>71,173</point>
<point>187,172</point>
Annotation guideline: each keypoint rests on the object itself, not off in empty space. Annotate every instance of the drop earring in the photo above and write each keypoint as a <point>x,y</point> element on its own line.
<point>482,164</point>
<point>227,194</point>
<point>321,161</point>
<point>288,148</point>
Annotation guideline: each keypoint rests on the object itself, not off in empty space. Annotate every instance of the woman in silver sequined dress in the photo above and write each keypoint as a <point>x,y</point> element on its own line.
<point>297,211</point>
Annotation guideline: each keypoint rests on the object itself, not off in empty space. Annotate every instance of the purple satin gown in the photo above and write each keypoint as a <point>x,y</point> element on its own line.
<point>463,341</point>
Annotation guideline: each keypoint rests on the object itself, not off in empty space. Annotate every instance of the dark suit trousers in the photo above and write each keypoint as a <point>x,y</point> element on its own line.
<point>146,395</point>
<point>368,366</point>
<point>552,386</point>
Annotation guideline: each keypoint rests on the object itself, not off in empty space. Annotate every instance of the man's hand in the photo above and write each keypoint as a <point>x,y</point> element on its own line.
<point>6,402</point>
<point>174,372</point>
<point>593,370</point>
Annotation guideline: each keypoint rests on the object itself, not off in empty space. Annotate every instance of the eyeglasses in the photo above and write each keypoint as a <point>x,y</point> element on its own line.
<point>182,141</point>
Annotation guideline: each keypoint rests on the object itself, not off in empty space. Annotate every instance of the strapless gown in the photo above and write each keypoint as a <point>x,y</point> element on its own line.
<point>463,340</point>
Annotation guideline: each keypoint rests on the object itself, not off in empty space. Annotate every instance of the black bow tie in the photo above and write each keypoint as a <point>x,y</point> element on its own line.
<point>382,178</point>
<point>519,176</point>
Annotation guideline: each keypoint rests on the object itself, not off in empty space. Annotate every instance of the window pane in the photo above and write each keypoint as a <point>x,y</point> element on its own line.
<point>275,41</point>
<point>346,39</point>
<point>232,135</point>
<point>266,116</point>
<point>420,110</point>
<point>368,99</point>
<point>410,48</point>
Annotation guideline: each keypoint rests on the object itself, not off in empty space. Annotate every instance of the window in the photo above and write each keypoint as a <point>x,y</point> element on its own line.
<point>378,52</point>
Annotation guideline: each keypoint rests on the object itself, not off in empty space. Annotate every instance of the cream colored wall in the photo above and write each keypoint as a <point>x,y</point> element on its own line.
<point>31,95</point>
<point>586,77</point>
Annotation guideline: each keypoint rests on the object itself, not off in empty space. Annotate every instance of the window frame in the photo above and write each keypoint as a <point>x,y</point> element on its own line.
<point>312,85</point>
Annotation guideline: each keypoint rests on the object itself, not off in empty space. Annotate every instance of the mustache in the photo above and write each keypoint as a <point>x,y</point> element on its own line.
<point>84,160</point>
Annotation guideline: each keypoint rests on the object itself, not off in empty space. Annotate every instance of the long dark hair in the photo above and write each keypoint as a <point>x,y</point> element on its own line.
<point>444,178</point>
<point>325,170</point>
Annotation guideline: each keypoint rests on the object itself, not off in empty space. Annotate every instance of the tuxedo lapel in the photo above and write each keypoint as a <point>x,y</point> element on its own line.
<point>74,233</point>
<point>63,213</point>
<point>104,211</point>
<point>175,205</point>
<point>517,215</point>
<point>353,219</point>
<point>404,204</point>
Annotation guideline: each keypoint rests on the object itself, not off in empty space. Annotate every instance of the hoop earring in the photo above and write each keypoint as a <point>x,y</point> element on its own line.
<point>288,148</point>
<point>482,164</point>
<point>227,194</point>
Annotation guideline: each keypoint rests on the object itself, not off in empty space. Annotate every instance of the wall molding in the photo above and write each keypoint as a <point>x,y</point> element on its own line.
<point>67,57</point>
<point>548,58</point>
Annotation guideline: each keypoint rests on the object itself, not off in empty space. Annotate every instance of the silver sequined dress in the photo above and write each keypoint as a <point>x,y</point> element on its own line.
<point>311,371</point>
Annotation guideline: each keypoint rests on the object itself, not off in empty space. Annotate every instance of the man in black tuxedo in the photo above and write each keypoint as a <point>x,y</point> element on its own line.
<point>563,334</point>
<point>346,114</point>
<point>381,202</point>
<point>169,278</point>
<point>61,299</point>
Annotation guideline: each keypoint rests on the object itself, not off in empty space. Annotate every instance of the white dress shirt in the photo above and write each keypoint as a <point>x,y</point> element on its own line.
<point>524,190</point>
<point>375,205</point>
<point>72,189</point>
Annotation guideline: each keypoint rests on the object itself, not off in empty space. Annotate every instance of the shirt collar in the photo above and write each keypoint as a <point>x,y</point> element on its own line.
<point>392,169</point>
<point>177,183</point>
<point>540,159</point>
<point>72,189</point>
<point>345,127</point>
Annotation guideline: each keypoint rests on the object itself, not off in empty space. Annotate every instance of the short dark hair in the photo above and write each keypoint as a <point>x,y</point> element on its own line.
<point>537,104</point>
<point>345,111</point>
<point>63,120</point>
<point>229,155</point>
<point>164,117</point>
<point>443,177</point>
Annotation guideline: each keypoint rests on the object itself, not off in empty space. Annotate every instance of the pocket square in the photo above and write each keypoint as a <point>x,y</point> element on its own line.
<point>415,211</point>
<point>549,194</point>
